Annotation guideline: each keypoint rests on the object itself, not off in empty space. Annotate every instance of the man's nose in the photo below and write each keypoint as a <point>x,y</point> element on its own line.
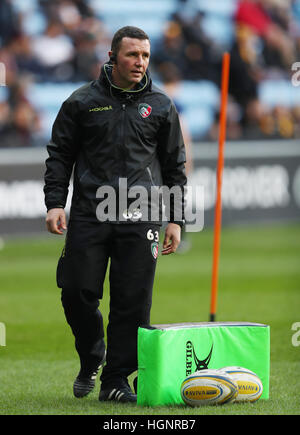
<point>139,60</point>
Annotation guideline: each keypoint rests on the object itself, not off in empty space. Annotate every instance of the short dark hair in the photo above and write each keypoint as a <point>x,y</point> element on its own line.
<point>126,32</point>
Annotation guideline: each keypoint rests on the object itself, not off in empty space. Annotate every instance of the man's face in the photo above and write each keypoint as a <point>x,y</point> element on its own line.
<point>132,62</point>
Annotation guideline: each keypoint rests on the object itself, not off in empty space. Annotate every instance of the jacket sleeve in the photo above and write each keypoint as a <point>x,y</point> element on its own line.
<point>62,150</point>
<point>171,152</point>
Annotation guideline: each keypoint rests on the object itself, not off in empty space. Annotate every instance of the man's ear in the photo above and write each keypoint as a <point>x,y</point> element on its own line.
<point>112,57</point>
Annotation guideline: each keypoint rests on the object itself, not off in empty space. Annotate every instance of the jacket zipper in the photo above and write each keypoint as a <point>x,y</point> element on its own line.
<point>123,146</point>
<point>150,175</point>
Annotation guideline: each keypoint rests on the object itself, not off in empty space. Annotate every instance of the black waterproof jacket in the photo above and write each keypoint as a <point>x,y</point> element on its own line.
<point>106,134</point>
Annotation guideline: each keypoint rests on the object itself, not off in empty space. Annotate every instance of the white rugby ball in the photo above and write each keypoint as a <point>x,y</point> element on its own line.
<point>250,387</point>
<point>208,387</point>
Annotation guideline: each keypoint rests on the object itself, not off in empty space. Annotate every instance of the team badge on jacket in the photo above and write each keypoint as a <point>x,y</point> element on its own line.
<point>154,250</point>
<point>144,110</point>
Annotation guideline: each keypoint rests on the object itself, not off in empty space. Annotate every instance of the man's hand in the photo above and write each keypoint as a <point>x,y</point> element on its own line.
<point>56,220</point>
<point>172,239</point>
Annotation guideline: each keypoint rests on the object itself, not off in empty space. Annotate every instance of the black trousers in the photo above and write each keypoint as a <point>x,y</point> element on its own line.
<point>132,252</point>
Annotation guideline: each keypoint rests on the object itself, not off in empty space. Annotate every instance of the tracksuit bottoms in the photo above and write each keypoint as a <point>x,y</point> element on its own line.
<point>131,249</point>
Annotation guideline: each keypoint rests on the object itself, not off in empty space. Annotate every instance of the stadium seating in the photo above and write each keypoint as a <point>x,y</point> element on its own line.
<point>3,94</point>
<point>279,92</point>
<point>153,15</point>
<point>47,98</point>
<point>198,100</point>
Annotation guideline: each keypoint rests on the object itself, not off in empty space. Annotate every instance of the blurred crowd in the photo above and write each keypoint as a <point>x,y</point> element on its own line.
<point>74,41</point>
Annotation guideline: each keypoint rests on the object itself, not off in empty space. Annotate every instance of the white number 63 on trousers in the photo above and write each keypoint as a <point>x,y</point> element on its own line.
<point>153,236</point>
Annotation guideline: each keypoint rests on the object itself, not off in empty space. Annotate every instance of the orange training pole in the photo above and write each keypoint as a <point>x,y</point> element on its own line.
<point>218,209</point>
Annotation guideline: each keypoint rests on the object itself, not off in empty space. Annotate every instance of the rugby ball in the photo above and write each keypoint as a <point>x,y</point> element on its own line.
<point>208,387</point>
<point>250,387</point>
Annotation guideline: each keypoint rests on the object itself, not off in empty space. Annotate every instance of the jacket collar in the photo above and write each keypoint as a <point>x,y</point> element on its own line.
<point>127,94</point>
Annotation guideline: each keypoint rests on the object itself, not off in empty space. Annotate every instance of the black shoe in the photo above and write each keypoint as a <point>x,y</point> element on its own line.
<point>121,392</point>
<point>85,382</point>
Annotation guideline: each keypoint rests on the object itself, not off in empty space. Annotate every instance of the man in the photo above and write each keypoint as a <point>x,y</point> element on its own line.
<point>119,127</point>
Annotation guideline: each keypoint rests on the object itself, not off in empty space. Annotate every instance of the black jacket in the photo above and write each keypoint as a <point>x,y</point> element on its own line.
<point>109,134</point>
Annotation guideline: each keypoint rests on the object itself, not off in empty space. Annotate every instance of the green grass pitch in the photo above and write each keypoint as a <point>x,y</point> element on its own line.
<point>259,281</point>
